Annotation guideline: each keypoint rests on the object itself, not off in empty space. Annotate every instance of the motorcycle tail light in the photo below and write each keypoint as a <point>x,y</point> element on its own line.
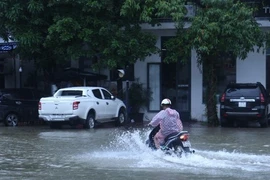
<point>184,137</point>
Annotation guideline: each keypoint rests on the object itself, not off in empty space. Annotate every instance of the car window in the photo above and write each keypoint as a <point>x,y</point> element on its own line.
<point>16,95</point>
<point>6,96</point>
<point>71,93</point>
<point>106,94</point>
<point>97,93</point>
<point>243,91</point>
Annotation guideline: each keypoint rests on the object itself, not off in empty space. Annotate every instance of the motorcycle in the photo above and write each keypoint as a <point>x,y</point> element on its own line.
<point>175,143</point>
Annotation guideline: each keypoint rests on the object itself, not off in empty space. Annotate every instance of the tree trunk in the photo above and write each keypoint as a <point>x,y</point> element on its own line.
<point>211,89</point>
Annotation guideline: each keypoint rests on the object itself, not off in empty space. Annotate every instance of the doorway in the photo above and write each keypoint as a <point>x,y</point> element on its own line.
<point>175,84</point>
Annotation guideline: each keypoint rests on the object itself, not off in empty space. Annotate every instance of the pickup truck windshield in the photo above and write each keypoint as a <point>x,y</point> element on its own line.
<point>71,93</point>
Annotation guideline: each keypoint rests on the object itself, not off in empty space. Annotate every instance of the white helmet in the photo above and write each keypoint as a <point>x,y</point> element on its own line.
<point>166,102</point>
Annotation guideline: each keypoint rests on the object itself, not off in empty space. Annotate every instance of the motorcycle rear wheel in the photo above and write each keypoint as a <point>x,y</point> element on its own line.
<point>178,151</point>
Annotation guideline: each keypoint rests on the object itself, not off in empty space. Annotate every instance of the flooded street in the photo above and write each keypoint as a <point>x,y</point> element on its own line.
<point>38,152</point>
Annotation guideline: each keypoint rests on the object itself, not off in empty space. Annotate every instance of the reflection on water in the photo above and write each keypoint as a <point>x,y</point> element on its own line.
<point>117,153</point>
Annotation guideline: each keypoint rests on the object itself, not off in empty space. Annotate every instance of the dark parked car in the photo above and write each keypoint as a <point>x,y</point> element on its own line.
<point>19,105</point>
<point>244,102</point>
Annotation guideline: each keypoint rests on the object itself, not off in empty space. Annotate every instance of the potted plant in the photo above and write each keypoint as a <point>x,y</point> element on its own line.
<point>139,97</point>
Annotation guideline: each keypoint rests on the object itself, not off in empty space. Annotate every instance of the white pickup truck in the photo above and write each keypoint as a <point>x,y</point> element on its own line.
<point>81,105</point>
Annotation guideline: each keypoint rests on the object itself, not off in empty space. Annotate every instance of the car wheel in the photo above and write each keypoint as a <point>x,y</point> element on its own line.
<point>121,119</point>
<point>11,119</point>
<point>90,122</point>
<point>224,122</point>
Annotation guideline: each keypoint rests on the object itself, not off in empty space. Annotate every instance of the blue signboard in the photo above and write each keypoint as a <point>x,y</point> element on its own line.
<point>8,46</point>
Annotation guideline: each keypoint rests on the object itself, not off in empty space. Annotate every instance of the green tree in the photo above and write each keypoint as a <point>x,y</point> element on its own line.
<point>149,11</point>
<point>57,30</point>
<point>219,27</point>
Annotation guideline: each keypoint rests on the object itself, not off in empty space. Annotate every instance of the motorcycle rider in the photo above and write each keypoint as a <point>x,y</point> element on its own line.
<point>169,121</point>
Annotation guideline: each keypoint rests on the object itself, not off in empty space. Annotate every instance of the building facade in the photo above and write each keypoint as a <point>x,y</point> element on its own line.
<point>184,85</point>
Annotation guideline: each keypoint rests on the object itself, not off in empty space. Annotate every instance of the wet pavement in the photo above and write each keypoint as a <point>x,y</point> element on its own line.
<point>38,152</point>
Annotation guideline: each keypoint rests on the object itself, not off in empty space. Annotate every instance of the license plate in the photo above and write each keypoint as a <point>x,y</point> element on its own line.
<point>57,117</point>
<point>186,144</point>
<point>242,104</point>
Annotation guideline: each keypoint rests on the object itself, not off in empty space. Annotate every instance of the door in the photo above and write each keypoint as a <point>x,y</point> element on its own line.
<point>109,104</point>
<point>9,103</point>
<point>21,102</point>
<point>175,83</point>
<point>176,87</point>
<point>183,91</point>
<point>100,104</point>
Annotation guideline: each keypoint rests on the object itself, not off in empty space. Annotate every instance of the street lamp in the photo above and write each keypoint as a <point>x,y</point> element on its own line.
<point>20,71</point>
<point>121,74</point>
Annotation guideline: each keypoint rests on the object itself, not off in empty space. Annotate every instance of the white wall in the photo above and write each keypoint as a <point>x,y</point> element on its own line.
<point>252,69</point>
<point>140,68</point>
<point>140,71</point>
<point>197,107</point>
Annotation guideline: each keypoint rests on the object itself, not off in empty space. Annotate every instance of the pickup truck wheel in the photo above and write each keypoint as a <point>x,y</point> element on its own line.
<point>121,119</point>
<point>90,122</point>
<point>11,119</point>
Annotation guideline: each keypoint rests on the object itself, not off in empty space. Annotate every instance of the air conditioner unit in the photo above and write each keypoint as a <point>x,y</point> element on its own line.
<point>190,10</point>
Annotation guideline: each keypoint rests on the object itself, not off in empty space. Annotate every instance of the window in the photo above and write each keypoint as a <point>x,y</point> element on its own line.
<point>106,94</point>
<point>6,96</point>
<point>226,73</point>
<point>153,74</point>
<point>246,91</point>
<point>97,93</point>
<point>71,93</point>
<point>17,95</point>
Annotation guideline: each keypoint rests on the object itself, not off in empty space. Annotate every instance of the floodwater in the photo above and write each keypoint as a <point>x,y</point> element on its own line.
<point>38,152</point>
